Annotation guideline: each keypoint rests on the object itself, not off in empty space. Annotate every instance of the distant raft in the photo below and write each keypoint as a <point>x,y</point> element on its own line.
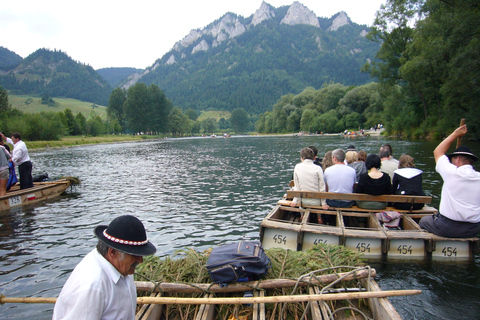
<point>41,191</point>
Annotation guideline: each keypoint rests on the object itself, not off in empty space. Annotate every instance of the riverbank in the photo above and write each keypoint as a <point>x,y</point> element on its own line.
<point>73,141</point>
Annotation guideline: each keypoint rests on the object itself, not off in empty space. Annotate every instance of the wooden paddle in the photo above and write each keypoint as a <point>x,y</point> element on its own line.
<point>459,139</point>
<point>271,299</point>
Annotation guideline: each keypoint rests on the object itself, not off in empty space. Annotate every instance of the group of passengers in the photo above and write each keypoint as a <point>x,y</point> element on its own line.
<point>8,160</point>
<point>381,174</point>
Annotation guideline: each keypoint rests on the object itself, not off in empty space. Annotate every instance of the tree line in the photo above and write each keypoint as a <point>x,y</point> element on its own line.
<point>146,109</point>
<point>427,76</point>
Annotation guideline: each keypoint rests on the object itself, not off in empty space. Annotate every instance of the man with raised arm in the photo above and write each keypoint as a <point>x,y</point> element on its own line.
<point>459,215</point>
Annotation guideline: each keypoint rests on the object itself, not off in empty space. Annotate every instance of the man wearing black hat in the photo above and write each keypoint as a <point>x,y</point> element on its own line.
<point>459,215</point>
<point>101,286</point>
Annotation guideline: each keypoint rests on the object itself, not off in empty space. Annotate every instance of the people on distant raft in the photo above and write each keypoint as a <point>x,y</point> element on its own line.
<point>22,160</point>
<point>308,177</point>
<point>12,177</point>
<point>374,182</point>
<point>407,180</point>
<point>459,214</point>
<point>101,286</point>
<point>5,158</point>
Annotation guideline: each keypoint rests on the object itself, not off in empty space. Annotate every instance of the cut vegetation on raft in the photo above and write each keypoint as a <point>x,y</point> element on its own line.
<point>188,267</point>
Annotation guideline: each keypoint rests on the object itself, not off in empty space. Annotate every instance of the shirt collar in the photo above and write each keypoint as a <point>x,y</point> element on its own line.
<point>109,269</point>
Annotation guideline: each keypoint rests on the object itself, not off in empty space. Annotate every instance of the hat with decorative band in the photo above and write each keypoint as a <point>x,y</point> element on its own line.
<point>126,234</point>
<point>462,151</point>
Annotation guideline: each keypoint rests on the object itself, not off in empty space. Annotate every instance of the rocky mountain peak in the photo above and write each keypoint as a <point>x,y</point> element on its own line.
<point>299,14</point>
<point>339,21</point>
<point>265,12</point>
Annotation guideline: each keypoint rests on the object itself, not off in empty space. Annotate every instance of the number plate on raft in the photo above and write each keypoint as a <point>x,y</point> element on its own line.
<point>277,238</point>
<point>14,201</point>
<point>366,246</point>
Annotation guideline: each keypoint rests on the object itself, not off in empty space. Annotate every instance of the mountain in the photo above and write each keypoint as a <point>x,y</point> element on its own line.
<point>8,59</point>
<point>238,62</point>
<point>115,76</point>
<point>56,74</point>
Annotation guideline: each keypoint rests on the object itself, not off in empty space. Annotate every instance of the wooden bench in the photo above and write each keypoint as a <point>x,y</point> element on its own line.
<point>390,198</point>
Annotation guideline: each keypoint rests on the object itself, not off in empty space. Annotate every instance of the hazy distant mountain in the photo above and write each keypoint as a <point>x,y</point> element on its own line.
<point>56,74</point>
<point>115,76</point>
<point>8,59</point>
<point>250,62</point>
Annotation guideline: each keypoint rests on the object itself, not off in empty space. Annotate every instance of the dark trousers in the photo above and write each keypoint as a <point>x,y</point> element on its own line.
<point>444,227</point>
<point>25,172</point>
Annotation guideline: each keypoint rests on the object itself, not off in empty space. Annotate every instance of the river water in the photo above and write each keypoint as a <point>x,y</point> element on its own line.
<point>200,193</point>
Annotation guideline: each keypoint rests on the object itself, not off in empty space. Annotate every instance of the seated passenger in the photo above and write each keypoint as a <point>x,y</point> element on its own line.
<point>358,165</point>
<point>327,160</point>
<point>387,164</point>
<point>407,180</point>
<point>308,177</point>
<point>374,182</point>
<point>339,178</point>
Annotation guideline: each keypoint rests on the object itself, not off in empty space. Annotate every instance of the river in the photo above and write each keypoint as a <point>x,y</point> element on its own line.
<point>200,193</point>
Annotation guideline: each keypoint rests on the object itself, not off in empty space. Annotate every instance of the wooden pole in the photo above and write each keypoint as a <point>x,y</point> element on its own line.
<point>247,286</point>
<point>459,139</point>
<point>271,299</point>
<point>279,299</point>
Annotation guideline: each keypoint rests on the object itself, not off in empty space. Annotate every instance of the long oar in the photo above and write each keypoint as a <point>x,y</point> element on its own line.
<point>273,299</point>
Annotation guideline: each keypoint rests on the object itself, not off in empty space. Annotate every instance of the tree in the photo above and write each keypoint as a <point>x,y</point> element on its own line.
<point>70,123</point>
<point>179,122</point>
<point>116,105</point>
<point>137,108</point>
<point>159,109</point>
<point>4,106</point>
<point>239,120</point>
<point>81,122</point>
<point>208,125</point>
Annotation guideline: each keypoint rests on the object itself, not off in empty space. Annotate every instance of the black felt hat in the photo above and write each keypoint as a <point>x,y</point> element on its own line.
<point>463,151</point>
<point>126,234</point>
<point>351,148</point>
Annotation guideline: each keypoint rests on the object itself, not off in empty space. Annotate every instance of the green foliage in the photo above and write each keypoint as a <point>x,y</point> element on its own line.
<point>331,109</point>
<point>436,65</point>
<point>114,76</point>
<point>178,121</point>
<point>8,59</point>
<point>208,126</point>
<point>4,105</point>
<point>57,74</point>
<point>252,70</point>
<point>239,120</point>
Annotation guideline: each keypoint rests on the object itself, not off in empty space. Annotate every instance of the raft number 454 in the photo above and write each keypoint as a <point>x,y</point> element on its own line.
<point>278,238</point>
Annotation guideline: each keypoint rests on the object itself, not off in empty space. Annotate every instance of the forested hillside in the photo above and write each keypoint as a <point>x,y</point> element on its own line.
<point>115,76</point>
<point>428,75</point>
<point>236,62</point>
<point>55,74</point>
<point>8,59</point>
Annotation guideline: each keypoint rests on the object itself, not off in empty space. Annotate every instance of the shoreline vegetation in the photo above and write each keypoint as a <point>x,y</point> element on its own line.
<point>73,141</point>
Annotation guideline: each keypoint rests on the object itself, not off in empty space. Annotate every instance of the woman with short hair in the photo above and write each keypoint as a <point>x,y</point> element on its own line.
<point>373,182</point>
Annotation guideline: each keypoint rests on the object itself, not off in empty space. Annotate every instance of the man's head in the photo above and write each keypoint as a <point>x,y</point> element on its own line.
<point>307,153</point>
<point>338,156</point>
<point>384,153</point>
<point>15,137</point>
<point>315,151</point>
<point>124,243</point>
<point>461,156</point>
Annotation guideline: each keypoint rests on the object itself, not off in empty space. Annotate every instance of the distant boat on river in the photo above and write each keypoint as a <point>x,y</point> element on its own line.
<point>41,191</point>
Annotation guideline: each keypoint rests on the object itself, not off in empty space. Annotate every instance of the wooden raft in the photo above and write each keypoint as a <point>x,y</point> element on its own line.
<point>296,228</point>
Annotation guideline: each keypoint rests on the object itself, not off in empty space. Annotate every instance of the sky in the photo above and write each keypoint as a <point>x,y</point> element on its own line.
<point>106,33</point>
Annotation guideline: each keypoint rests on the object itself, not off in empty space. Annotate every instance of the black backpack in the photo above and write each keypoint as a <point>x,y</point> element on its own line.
<point>239,261</point>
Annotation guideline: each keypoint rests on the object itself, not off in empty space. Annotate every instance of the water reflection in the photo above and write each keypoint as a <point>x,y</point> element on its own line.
<point>189,193</point>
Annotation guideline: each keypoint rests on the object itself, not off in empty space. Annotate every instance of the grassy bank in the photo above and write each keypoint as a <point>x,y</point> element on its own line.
<point>84,140</point>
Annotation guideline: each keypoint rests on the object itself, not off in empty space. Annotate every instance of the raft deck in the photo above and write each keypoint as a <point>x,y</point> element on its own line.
<point>297,228</point>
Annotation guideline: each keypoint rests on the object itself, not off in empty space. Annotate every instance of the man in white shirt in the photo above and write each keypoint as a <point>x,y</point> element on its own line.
<point>459,214</point>
<point>339,178</point>
<point>101,286</point>
<point>388,164</point>
<point>307,176</point>
<point>21,159</point>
